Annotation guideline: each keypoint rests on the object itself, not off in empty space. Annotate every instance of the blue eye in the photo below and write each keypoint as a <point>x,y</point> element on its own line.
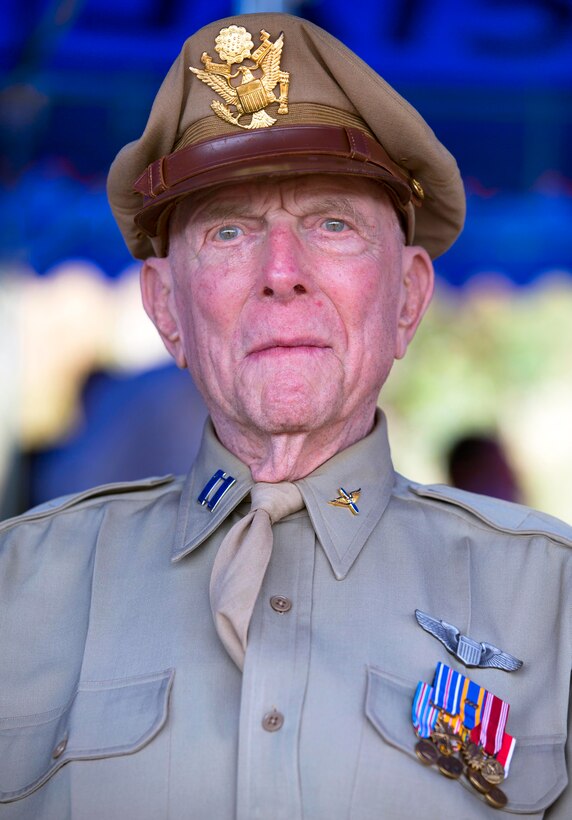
<point>228,232</point>
<point>334,225</point>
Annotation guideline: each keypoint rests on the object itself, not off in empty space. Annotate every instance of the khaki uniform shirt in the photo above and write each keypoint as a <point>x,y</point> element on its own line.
<point>118,701</point>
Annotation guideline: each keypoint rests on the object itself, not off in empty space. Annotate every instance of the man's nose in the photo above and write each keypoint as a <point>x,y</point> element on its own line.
<point>284,272</point>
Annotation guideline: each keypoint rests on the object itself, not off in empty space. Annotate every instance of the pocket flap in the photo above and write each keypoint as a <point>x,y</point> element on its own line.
<point>104,719</point>
<point>538,769</point>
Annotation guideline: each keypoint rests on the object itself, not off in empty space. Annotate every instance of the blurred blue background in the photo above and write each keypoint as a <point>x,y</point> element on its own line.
<point>493,78</point>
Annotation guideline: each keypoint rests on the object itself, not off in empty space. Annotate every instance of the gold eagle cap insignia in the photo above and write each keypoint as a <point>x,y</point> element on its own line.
<point>251,87</point>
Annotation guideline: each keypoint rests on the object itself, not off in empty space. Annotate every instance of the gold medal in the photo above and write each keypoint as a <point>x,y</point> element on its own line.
<point>445,738</point>
<point>473,755</point>
<point>496,797</point>
<point>478,782</point>
<point>426,752</point>
<point>450,766</point>
<point>492,771</point>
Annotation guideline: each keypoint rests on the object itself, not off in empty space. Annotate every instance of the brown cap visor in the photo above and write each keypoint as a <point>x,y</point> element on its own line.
<point>304,149</point>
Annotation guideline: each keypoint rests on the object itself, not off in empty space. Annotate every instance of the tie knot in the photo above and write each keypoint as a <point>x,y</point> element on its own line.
<point>278,500</point>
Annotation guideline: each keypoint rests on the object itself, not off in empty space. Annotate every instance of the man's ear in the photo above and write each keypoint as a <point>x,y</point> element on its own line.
<point>417,288</point>
<point>159,304</point>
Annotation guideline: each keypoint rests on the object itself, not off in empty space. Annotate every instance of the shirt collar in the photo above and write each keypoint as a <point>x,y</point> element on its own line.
<point>195,522</point>
<point>365,466</point>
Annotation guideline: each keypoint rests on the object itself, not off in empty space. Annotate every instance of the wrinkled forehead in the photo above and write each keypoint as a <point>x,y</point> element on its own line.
<point>361,200</point>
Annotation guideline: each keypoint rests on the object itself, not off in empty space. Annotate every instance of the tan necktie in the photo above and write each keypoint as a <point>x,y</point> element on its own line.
<point>241,562</point>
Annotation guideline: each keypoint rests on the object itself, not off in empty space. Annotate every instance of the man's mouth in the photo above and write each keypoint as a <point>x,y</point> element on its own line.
<point>285,346</point>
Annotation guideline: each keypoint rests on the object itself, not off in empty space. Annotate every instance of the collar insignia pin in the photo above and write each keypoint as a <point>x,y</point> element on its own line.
<point>213,491</point>
<point>465,649</point>
<point>347,500</point>
<point>250,89</point>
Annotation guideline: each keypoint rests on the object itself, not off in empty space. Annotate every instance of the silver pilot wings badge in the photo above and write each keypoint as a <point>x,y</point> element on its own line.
<point>468,651</point>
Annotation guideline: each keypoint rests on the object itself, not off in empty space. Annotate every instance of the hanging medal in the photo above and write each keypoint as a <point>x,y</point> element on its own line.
<point>461,730</point>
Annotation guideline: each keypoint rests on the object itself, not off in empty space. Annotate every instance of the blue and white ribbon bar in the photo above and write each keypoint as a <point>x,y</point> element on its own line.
<point>448,685</point>
<point>423,713</point>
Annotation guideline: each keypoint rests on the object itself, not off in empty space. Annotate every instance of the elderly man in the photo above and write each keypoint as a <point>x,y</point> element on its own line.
<point>293,630</point>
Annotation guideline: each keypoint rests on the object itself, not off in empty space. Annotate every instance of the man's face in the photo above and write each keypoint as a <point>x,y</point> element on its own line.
<point>289,299</point>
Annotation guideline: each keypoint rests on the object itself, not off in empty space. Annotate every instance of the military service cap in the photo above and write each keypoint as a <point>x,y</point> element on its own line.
<point>263,95</point>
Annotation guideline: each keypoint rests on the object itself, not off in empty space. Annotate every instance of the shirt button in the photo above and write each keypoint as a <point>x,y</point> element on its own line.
<point>60,748</point>
<point>272,721</point>
<point>280,603</point>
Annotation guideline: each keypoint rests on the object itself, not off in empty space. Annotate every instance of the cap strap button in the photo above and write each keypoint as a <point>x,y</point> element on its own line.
<point>417,188</point>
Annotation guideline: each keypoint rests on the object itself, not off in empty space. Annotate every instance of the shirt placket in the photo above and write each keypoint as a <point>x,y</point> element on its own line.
<point>275,679</point>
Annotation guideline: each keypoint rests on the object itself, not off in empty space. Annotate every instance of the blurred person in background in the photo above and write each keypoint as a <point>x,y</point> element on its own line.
<point>144,424</point>
<point>293,629</point>
<point>479,463</point>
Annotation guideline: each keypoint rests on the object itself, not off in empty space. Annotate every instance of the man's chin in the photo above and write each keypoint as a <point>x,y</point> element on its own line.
<point>290,416</point>
<point>290,400</point>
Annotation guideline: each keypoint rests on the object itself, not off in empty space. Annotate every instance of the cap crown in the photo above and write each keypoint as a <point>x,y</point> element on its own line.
<point>244,90</point>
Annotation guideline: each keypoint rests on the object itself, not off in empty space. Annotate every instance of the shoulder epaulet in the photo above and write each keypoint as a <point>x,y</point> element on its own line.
<point>65,502</point>
<point>501,515</point>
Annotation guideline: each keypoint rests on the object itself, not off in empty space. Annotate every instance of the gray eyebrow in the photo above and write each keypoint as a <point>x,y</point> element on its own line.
<point>224,210</point>
<point>208,210</point>
<point>341,205</point>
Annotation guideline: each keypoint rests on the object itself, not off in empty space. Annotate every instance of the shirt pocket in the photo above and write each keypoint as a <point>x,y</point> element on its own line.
<point>538,769</point>
<point>103,719</point>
